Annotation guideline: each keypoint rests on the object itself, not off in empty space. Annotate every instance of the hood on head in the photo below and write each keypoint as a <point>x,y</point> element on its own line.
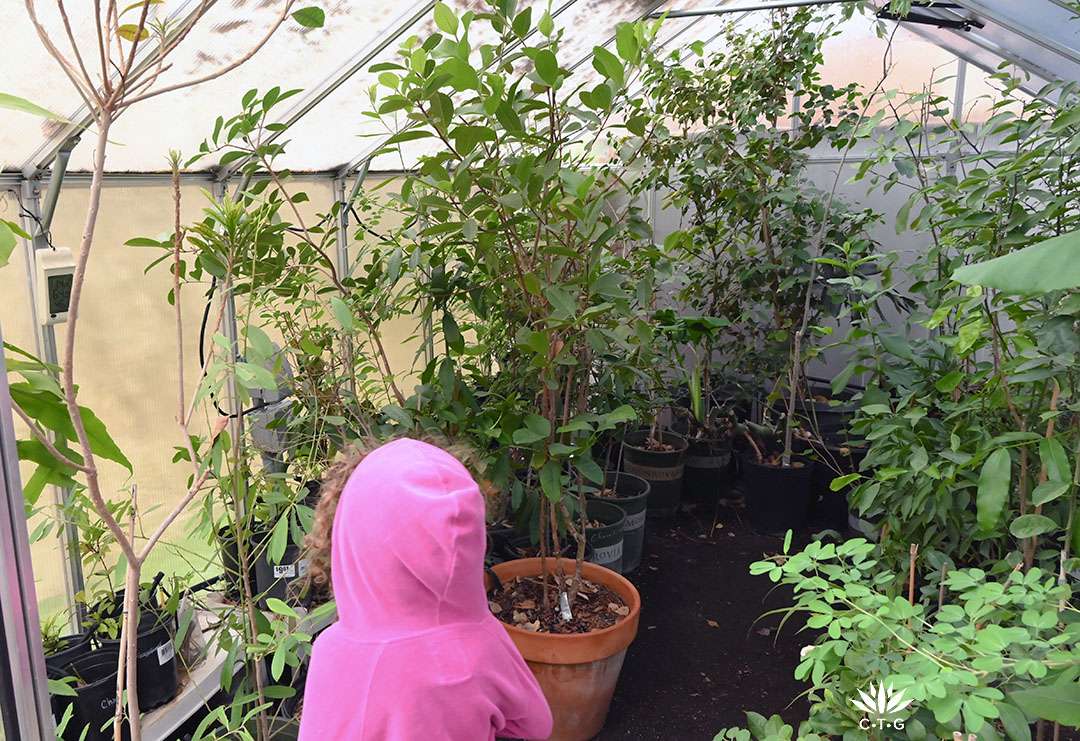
<point>408,543</point>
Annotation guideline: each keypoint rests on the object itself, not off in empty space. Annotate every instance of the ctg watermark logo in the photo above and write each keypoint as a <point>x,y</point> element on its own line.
<point>881,705</point>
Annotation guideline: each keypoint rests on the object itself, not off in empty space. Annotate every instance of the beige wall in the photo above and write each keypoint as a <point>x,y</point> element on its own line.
<point>126,358</point>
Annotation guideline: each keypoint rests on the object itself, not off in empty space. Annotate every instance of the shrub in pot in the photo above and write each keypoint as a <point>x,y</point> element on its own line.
<point>158,672</point>
<point>577,672</point>
<point>526,267</point>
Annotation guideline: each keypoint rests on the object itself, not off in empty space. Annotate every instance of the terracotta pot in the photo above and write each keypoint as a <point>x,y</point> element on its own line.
<point>576,672</point>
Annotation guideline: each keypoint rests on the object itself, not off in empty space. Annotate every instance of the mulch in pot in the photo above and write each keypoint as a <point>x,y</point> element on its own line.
<point>520,603</point>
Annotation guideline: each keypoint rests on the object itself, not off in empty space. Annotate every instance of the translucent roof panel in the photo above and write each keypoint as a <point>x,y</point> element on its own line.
<point>295,57</point>
<point>1040,36</point>
<point>587,23</point>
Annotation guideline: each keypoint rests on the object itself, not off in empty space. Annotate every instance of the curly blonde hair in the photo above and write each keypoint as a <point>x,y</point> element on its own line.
<point>317,544</point>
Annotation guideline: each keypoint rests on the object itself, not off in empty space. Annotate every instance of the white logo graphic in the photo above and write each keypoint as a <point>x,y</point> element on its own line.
<point>881,701</point>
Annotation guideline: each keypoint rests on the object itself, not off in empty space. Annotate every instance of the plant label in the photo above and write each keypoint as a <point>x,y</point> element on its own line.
<point>285,571</point>
<point>165,652</point>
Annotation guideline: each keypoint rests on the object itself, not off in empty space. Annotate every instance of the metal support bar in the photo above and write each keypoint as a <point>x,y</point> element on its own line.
<point>24,693</point>
<point>690,13</point>
<point>74,581</point>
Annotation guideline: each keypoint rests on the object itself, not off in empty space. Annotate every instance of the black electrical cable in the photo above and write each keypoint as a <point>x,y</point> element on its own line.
<point>202,359</point>
<point>367,228</point>
<point>23,211</point>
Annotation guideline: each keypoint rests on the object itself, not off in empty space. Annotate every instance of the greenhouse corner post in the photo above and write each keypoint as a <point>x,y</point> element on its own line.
<point>37,223</point>
<point>24,694</point>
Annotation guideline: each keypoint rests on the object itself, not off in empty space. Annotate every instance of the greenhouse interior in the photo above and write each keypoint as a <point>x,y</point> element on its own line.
<point>476,369</point>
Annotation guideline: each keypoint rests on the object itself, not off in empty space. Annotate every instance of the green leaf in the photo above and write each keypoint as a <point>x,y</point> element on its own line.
<point>1028,526</point>
<point>590,469</point>
<point>280,608</point>
<point>279,539</point>
<point>564,304</point>
<point>608,65</point>
<point>1015,722</point>
<point>993,489</point>
<point>445,19</point>
<point>547,66</point>
<point>397,414</point>
<point>452,333</point>
<point>1059,703</point>
<point>551,480</point>
<point>22,105</point>
<point>842,481</point>
<point>129,30</point>
<point>950,381</point>
<point>1050,265</point>
<point>536,428</point>
<point>1048,492</point>
<point>626,41</point>
<point>342,313</point>
<point>1056,460</point>
<point>310,17</point>
<point>7,242</point>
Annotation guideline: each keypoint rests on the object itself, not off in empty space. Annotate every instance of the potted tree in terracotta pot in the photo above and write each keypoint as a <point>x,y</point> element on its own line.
<point>525,268</point>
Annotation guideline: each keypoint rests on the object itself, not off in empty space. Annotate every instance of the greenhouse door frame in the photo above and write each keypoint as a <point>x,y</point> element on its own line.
<point>24,692</point>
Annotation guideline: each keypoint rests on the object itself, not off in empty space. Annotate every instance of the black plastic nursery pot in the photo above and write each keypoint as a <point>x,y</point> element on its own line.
<point>828,508</point>
<point>663,469</point>
<point>273,578</point>
<point>268,579</point>
<point>606,541</point>
<point>777,497</point>
<point>95,694</point>
<point>831,415</point>
<point>159,678</point>
<point>70,648</point>
<point>631,495</point>
<point>707,464</point>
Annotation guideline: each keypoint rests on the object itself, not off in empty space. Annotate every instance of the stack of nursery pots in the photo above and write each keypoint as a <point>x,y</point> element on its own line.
<point>94,702</point>
<point>577,672</point>
<point>659,460</point>
<point>158,680</point>
<point>631,494</point>
<point>777,497</point>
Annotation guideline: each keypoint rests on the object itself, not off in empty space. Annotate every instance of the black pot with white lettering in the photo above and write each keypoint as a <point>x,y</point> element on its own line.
<point>662,467</point>
<point>158,680</point>
<point>275,576</point>
<point>707,463</point>
<point>606,540</point>
<point>95,695</point>
<point>631,494</point>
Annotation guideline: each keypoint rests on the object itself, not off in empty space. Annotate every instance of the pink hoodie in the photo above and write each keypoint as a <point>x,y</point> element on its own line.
<point>415,654</point>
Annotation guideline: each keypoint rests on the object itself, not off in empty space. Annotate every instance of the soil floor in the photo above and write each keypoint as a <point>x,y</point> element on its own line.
<point>704,654</point>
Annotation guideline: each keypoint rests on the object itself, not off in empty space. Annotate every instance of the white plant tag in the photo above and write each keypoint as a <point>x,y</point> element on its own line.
<point>165,652</point>
<point>285,570</point>
<point>564,607</point>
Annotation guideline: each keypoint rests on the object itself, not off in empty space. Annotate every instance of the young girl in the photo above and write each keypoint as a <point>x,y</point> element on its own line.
<point>415,654</point>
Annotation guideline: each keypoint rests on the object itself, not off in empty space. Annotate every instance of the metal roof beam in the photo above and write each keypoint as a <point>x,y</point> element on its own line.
<point>745,8</point>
